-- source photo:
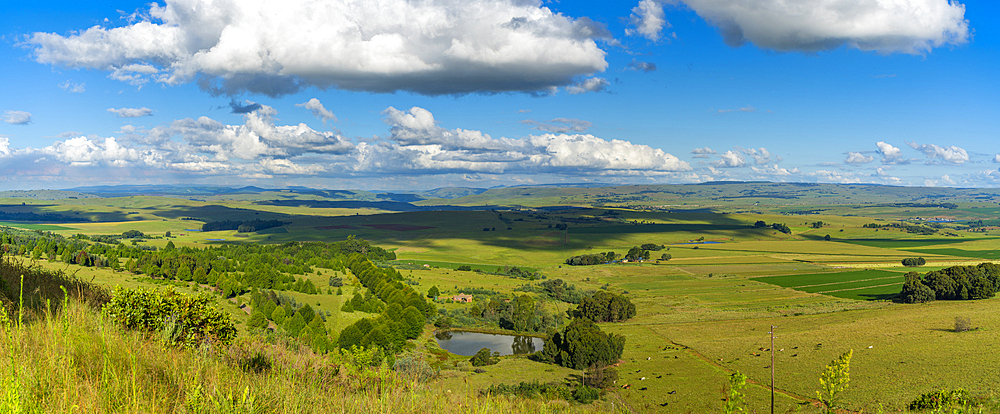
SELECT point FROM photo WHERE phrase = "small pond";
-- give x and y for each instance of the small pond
(468, 343)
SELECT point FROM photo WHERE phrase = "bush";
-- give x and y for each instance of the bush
(465, 268)
(585, 395)
(257, 321)
(941, 400)
(962, 324)
(414, 367)
(184, 320)
(485, 357)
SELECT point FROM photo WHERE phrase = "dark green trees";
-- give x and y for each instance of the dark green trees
(485, 357)
(953, 283)
(914, 291)
(404, 314)
(606, 307)
(914, 261)
(581, 345)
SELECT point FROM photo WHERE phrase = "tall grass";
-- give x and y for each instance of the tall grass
(67, 358)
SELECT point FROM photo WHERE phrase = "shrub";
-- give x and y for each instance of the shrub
(257, 321)
(414, 367)
(584, 394)
(941, 400)
(465, 268)
(485, 357)
(185, 320)
(962, 324)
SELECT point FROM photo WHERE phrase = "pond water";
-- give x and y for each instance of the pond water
(468, 343)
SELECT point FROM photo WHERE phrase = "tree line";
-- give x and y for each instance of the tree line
(404, 315)
(953, 283)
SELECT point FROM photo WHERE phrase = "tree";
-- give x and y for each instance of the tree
(914, 290)
(278, 315)
(307, 313)
(827, 237)
(170, 245)
(485, 357)
(581, 344)
(524, 310)
(605, 306)
(760, 224)
(257, 321)
(834, 381)
(167, 234)
(665, 256)
(433, 292)
(295, 324)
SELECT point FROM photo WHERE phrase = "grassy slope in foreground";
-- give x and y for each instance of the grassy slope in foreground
(74, 360)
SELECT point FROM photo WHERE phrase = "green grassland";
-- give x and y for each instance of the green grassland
(702, 315)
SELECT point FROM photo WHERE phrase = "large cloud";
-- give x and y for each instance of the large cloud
(648, 20)
(890, 154)
(414, 146)
(419, 145)
(274, 48)
(884, 26)
(950, 154)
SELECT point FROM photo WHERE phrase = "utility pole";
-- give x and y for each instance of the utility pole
(772, 367)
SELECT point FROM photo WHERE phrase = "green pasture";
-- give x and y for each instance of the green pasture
(905, 243)
(33, 226)
(858, 285)
(701, 315)
(825, 279)
(976, 254)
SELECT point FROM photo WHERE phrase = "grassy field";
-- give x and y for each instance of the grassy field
(702, 315)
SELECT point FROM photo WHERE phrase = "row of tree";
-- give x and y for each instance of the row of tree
(403, 317)
(520, 314)
(605, 306)
(298, 321)
(243, 266)
(634, 254)
(953, 283)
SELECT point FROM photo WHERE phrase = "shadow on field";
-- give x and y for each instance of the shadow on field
(39, 213)
(882, 296)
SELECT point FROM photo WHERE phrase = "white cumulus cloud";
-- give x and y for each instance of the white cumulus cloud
(277, 48)
(884, 26)
(950, 154)
(131, 112)
(730, 159)
(890, 154)
(648, 20)
(318, 110)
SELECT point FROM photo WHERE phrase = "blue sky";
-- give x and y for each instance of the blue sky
(400, 95)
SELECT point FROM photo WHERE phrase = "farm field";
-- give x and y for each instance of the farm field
(703, 309)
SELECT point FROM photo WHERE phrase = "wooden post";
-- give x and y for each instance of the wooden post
(772, 367)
